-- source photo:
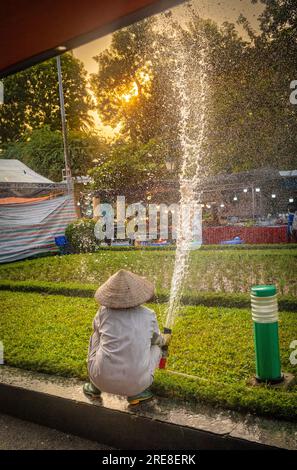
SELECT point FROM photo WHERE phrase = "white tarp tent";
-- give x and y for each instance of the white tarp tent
(14, 171)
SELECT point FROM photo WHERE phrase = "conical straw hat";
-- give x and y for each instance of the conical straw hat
(124, 290)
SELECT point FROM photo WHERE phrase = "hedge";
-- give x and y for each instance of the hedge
(209, 299)
(272, 246)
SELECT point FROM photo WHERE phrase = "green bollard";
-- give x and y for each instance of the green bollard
(265, 318)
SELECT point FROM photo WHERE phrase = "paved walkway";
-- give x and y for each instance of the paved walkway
(16, 434)
(160, 422)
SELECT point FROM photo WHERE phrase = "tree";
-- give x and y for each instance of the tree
(279, 17)
(42, 150)
(123, 82)
(269, 131)
(250, 122)
(129, 166)
(133, 86)
(31, 99)
(136, 83)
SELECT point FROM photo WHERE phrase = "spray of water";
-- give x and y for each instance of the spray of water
(192, 90)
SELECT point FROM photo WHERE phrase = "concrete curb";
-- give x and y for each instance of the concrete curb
(59, 403)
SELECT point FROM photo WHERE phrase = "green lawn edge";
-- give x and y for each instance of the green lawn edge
(259, 400)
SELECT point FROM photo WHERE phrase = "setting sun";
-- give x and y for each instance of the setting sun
(131, 93)
(140, 84)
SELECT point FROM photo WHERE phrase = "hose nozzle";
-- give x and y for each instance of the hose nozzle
(163, 360)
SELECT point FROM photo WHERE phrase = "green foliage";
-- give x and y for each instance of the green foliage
(123, 96)
(32, 98)
(52, 336)
(208, 299)
(129, 166)
(215, 347)
(248, 87)
(244, 247)
(136, 90)
(269, 65)
(221, 271)
(42, 150)
(80, 235)
(133, 86)
(50, 333)
(279, 18)
(71, 289)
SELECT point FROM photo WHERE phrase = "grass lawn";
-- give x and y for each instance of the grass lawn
(213, 345)
(217, 270)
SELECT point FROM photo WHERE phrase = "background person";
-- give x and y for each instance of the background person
(290, 223)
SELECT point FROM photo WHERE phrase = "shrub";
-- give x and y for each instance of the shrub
(208, 299)
(80, 235)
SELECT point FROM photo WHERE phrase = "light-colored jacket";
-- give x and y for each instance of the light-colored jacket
(121, 356)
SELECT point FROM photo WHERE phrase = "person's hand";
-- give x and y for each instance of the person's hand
(166, 338)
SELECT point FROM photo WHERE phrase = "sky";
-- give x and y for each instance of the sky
(217, 10)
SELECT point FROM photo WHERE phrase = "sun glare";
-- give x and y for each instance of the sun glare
(142, 80)
(131, 93)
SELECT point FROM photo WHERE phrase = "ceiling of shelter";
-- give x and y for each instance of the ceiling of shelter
(32, 31)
